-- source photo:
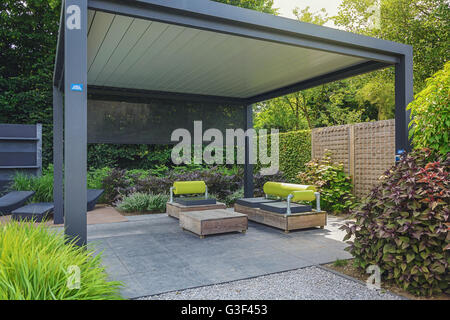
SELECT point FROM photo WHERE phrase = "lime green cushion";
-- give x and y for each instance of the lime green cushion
(305, 195)
(189, 187)
(281, 189)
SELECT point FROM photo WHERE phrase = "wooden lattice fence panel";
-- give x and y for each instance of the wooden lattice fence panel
(366, 149)
(374, 153)
(336, 139)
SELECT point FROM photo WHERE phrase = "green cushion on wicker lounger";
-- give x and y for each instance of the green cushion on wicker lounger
(281, 207)
(280, 189)
(292, 193)
(191, 187)
(304, 195)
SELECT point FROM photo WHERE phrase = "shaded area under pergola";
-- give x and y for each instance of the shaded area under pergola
(132, 71)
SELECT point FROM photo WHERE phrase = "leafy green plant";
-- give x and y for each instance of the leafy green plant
(95, 177)
(340, 263)
(35, 264)
(430, 114)
(401, 228)
(231, 199)
(143, 202)
(331, 181)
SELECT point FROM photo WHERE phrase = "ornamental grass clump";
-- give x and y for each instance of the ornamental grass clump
(401, 225)
(37, 263)
(143, 202)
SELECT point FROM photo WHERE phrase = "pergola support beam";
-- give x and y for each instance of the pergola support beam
(75, 128)
(58, 158)
(248, 167)
(403, 96)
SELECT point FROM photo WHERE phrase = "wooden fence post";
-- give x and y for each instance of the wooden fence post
(351, 160)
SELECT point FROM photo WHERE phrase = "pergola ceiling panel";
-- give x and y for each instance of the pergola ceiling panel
(127, 52)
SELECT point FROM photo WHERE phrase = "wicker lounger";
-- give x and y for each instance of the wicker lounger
(14, 200)
(286, 215)
(186, 202)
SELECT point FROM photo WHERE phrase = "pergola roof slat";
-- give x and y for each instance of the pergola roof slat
(237, 67)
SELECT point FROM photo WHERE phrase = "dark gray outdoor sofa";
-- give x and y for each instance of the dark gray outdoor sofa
(33, 211)
(92, 197)
(14, 202)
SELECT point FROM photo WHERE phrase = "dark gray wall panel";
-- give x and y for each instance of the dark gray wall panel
(18, 131)
(20, 150)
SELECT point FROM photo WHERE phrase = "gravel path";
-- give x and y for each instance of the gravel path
(309, 283)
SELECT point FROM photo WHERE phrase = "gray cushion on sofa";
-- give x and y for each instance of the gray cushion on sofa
(281, 207)
(254, 202)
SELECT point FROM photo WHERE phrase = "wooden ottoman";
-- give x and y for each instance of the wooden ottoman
(209, 222)
(174, 209)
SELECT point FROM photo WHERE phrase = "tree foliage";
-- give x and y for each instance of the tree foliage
(28, 31)
(334, 185)
(430, 114)
(265, 6)
(424, 24)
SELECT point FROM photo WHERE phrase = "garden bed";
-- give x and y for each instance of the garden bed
(348, 269)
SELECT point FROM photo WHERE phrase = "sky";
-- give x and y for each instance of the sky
(286, 7)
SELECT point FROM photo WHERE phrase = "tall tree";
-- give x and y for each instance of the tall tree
(28, 31)
(329, 104)
(424, 24)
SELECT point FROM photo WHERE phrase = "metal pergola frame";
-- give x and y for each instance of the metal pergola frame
(70, 107)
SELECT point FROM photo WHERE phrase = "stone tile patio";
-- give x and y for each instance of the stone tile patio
(152, 255)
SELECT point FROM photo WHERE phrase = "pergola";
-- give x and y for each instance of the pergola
(191, 52)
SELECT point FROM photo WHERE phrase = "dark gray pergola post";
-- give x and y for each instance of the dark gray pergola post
(75, 119)
(403, 96)
(248, 167)
(58, 121)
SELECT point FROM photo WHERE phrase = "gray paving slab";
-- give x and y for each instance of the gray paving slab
(151, 255)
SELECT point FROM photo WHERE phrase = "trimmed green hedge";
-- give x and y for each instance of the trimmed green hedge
(295, 152)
